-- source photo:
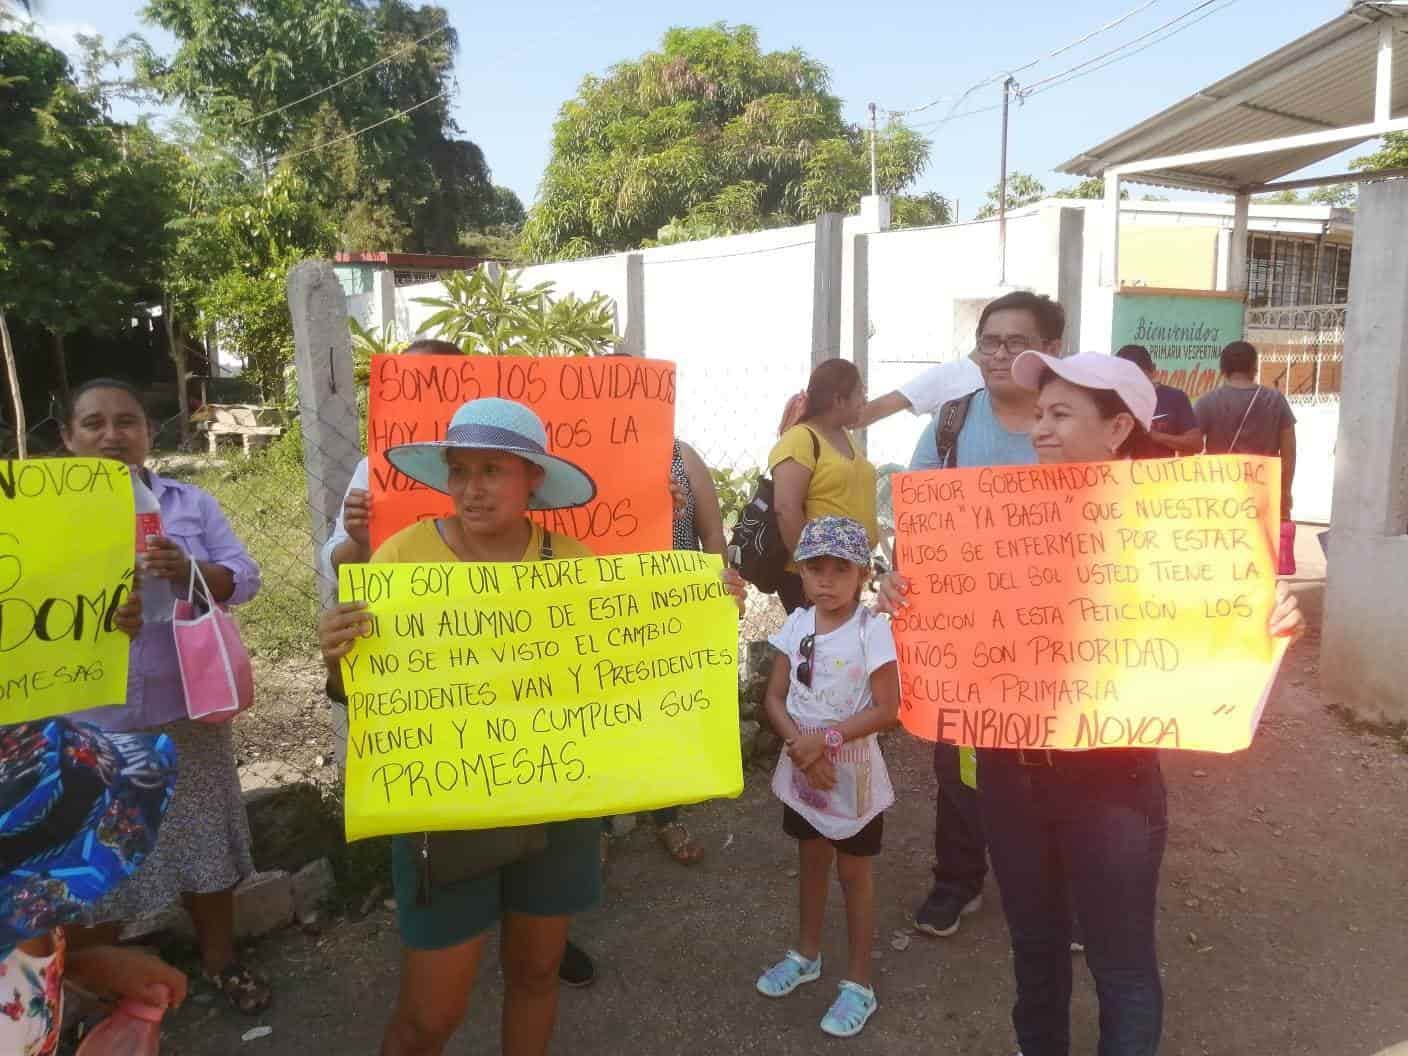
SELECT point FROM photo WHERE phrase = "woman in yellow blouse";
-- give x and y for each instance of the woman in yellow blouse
(817, 468)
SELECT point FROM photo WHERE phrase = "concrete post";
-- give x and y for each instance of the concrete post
(826, 289)
(1111, 276)
(632, 328)
(327, 397)
(1237, 258)
(383, 300)
(860, 315)
(1070, 273)
(1362, 660)
(875, 212)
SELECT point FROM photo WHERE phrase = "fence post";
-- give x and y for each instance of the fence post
(1070, 277)
(860, 317)
(633, 327)
(327, 397)
(826, 289)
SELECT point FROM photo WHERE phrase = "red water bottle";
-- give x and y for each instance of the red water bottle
(134, 1029)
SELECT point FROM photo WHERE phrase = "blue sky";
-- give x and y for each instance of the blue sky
(518, 64)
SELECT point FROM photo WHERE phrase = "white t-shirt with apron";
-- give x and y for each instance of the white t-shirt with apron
(842, 663)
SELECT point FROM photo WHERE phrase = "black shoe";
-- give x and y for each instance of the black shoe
(576, 969)
(940, 913)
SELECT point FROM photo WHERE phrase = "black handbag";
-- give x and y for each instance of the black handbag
(446, 858)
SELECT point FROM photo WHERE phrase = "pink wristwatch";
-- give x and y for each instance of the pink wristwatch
(833, 739)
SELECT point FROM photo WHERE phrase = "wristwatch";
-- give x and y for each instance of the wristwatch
(834, 739)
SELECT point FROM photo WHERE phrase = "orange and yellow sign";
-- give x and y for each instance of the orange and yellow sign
(1111, 604)
(614, 416)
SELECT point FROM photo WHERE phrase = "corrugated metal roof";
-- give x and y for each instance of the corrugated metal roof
(1323, 80)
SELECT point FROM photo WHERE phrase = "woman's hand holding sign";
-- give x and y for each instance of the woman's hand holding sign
(1287, 621)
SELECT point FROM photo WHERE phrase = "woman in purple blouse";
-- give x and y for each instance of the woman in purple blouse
(203, 850)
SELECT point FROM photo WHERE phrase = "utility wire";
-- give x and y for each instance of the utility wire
(1004, 74)
(353, 135)
(351, 76)
(1121, 51)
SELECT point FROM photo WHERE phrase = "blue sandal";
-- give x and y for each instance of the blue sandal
(848, 1014)
(788, 974)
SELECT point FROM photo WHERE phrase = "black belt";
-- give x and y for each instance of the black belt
(1035, 757)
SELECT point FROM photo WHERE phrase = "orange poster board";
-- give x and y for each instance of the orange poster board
(1115, 604)
(614, 416)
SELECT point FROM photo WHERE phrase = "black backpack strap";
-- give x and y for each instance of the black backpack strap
(545, 547)
(952, 415)
(816, 444)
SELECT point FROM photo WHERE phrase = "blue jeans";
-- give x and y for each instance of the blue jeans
(1086, 829)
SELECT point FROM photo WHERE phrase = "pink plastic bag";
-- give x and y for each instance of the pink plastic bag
(215, 669)
(1286, 555)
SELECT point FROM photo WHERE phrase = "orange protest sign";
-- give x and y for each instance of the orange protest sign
(613, 416)
(1114, 604)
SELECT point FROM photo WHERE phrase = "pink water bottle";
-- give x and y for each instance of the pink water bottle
(134, 1029)
(157, 595)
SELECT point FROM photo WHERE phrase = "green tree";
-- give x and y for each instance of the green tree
(707, 135)
(1340, 195)
(1392, 154)
(920, 210)
(1022, 189)
(1094, 187)
(242, 72)
(81, 210)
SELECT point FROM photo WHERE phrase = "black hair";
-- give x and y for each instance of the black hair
(1108, 405)
(433, 346)
(832, 380)
(1139, 356)
(1050, 316)
(102, 383)
(1238, 358)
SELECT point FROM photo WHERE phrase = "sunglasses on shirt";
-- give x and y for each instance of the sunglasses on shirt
(804, 669)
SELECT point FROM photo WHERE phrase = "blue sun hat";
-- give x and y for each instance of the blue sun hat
(492, 424)
(79, 811)
(839, 537)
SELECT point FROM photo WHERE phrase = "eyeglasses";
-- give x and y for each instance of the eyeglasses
(804, 669)
(990, 345)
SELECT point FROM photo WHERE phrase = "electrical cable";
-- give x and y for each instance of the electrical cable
(353, 135)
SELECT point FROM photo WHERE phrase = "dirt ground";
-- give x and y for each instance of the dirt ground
(1281, 933)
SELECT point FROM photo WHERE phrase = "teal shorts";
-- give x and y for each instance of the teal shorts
(560, 881)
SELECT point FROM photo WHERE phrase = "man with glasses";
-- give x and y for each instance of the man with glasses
(988, 427)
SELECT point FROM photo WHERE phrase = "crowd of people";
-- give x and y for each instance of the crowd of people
(1075, 839)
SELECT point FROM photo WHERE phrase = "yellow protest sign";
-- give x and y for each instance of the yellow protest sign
(492, 695)
(67, 548)
(1114, 604)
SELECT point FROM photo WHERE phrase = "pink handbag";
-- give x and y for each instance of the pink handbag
(1286, 554)
(215, 669)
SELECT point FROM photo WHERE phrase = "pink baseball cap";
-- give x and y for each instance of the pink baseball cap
(1091, 370)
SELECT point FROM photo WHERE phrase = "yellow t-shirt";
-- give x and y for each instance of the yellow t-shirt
(422, 542)
(840, 486)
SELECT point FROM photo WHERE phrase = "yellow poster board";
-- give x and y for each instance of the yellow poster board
(67, 549)
(492, 695)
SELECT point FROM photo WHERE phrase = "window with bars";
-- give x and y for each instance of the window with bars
(1282, 272)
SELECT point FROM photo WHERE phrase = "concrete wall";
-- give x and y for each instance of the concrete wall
(1363, 658)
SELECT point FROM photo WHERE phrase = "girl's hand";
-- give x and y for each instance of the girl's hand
(891, 590)
(128, 973)
(807, 749)
(821, 775)
(128, 617)
(166, 560)
(678, 499)
(737, 586)
(1287, 621)
(339, 628)
(357, 516)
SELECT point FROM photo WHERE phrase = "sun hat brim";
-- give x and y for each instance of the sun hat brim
(86, 816)
(564, 484)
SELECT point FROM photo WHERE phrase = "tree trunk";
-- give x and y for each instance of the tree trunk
(177, 348)
(13, 373)
(61, 367)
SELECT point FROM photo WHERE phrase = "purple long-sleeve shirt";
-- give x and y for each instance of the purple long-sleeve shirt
(192, 518)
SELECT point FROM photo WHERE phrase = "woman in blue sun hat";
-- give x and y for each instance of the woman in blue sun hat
(79, 811)
(495, 466)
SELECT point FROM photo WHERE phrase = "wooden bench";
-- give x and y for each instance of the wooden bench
(253, 424)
